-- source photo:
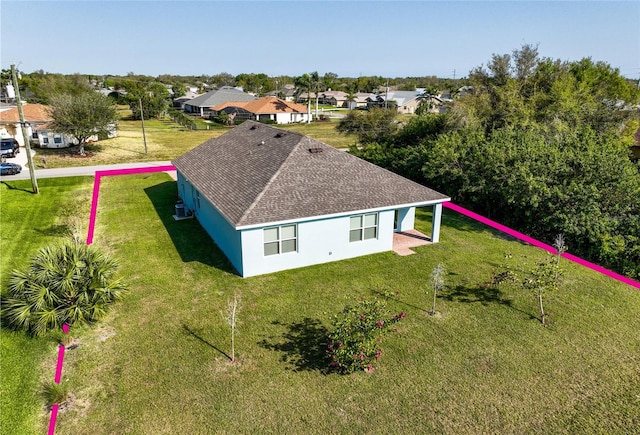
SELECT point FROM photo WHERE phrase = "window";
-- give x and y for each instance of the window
(280, 240)
(363, 227)
(45, 140)
(57, 139)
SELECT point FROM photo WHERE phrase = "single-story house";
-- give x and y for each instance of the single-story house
(38, 119)
(35, 115)
(265, 109)
(203, 105)
(404, 101)
(333, 98)
(274, 200)
(178, 103)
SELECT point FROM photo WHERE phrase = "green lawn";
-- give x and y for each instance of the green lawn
(166, 140)
(27, 223)
(157, 364)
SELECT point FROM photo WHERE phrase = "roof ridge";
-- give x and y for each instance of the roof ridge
(275, 175)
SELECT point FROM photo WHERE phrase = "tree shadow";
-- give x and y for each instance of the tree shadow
(304, 346)
(481, 294)
(202, 340)
(191, 240)
(396, 299)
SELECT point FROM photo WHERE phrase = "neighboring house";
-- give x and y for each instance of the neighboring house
(38, 122)
(35, 115)
(265, 109)
(333, 98)
(204, 104)
(47, 138)
(179, 102)
(404, 101)
(286, 93)
(274, 200)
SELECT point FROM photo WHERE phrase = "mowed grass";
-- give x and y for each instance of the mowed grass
(158, 363)
(166, 140)
(28, 222)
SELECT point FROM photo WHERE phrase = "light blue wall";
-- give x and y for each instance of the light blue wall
(319, 241)
(406, 218)
(223, 234)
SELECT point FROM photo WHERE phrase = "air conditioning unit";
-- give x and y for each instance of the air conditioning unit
(180, 210)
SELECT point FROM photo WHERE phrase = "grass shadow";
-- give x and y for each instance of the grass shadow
(10, 187)
(304, 346)
(191, 240)
(202, 340)
(54, 230)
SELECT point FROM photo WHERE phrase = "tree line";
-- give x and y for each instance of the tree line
(540, 145)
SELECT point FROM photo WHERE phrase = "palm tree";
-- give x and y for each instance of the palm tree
(71, 283)
(304, 83)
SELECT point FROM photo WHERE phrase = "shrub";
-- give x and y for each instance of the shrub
(71, 283)
(55, 394)
(356, 337)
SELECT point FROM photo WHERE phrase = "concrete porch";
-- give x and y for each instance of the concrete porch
(403, 241)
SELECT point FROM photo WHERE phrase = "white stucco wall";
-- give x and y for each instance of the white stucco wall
(319, 241)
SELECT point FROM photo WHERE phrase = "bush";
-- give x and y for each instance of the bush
(355, 342)
(71, 283)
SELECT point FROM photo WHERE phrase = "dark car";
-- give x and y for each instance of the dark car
(10, 147)
(10, 168)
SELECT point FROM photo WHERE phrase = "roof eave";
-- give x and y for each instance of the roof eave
(341, 214)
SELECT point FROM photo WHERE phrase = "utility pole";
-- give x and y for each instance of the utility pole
(27, 144)
(144, 136)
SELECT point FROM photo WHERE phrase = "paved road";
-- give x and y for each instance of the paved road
(21, 159)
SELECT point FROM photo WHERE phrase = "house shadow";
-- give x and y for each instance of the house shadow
(191, 240)
(303, 346)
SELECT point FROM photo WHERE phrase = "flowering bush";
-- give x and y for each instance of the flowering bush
(356, 337)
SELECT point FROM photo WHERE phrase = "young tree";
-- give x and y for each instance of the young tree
(83, 115)
(70, 284)
(437, 281)
(231, 317)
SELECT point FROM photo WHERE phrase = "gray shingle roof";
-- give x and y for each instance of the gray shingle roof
(222, 95)
(257, 174)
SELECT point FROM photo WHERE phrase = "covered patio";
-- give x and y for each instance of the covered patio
(403, 241)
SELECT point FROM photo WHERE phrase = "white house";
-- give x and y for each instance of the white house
(265, 109)
(274, 200)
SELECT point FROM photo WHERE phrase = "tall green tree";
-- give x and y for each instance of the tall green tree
(83, 115)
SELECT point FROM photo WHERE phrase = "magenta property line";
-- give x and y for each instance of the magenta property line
(106, 173)
(52, 420)
(541, 245)
(55, 407)
(59, 365)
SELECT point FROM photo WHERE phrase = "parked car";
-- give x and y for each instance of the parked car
(10, 168)
(10, 147)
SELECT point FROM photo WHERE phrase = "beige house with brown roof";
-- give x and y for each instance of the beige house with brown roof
(273, 200)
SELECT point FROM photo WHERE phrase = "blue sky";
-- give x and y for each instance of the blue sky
(349, 38)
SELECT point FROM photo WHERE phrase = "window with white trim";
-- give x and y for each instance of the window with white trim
(363, 227)
(280, 240)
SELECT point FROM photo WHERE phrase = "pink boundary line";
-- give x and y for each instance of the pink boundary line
(539, 244)
(449, 205)
(92, 222)
(55, 407)
(96, 189)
